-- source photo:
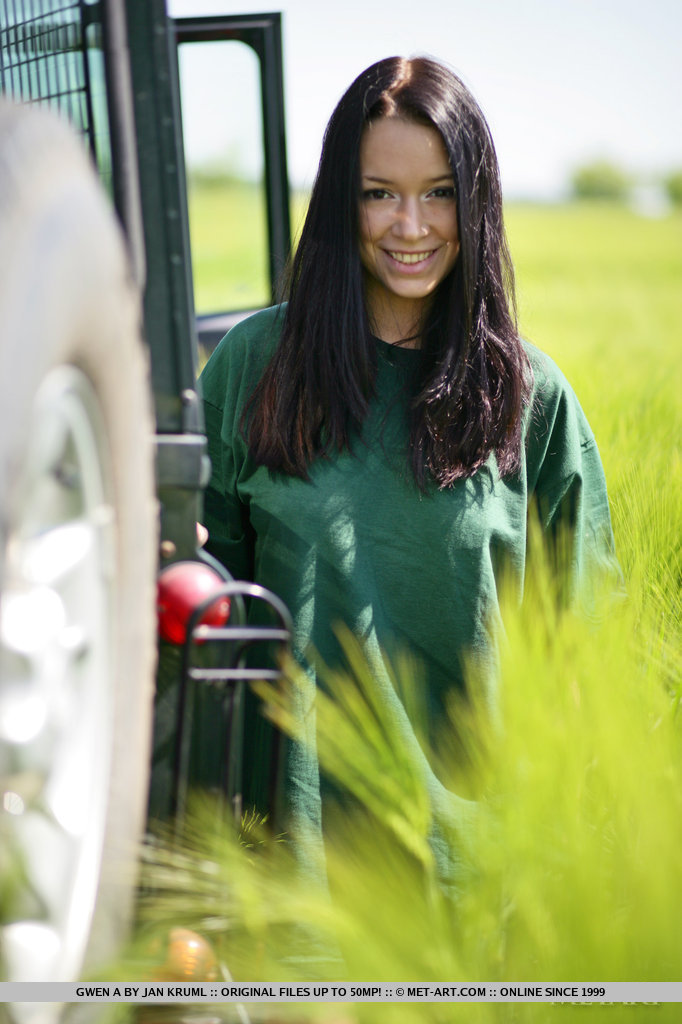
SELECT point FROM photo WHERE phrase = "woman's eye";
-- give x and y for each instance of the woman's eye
(447, 192)
(376, 193)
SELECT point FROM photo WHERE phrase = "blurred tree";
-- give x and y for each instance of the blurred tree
(600, 179)
(673, 187)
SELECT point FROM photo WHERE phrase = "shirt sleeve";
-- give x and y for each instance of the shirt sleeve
(225, 517)
(226, 384)
(567, 492)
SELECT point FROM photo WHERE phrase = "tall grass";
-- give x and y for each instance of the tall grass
(600, 290)
(569, 864)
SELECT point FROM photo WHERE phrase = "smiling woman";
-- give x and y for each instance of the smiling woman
(384, 442)
(466, 329)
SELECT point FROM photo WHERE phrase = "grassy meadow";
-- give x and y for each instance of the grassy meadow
(230, 263)
(571, 862)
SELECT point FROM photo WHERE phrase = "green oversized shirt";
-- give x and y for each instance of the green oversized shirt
(358, 543)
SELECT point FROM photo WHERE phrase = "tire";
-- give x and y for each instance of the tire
(78, 543)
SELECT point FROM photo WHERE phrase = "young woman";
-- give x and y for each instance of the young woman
(381, 442)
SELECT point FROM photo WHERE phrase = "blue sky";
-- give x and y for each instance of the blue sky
(561, 81)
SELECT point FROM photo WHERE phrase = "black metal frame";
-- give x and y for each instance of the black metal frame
(44, 58)
(237, 640)
(263, 33)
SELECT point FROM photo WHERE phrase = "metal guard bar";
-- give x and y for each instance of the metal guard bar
(238, 638)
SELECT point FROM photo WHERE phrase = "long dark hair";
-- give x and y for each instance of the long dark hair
(474, 378)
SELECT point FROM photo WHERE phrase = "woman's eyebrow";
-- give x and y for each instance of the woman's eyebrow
(387, 181)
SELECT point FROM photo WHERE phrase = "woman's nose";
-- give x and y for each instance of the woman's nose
(410, 221)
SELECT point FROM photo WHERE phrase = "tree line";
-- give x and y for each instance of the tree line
(603, 179)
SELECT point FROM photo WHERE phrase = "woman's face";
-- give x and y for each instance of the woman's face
(408, 234)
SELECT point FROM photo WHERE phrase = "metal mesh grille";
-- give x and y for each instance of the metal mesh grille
(43, 57)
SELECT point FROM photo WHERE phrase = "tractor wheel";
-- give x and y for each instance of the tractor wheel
(78, 526)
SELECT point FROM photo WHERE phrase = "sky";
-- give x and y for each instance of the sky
(561, 82)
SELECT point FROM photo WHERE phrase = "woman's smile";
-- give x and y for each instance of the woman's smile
(411, 259)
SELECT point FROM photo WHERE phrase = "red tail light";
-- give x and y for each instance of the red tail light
(182, 587)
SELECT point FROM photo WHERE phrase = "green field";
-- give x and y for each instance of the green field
(228, 232)
(570, 858)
